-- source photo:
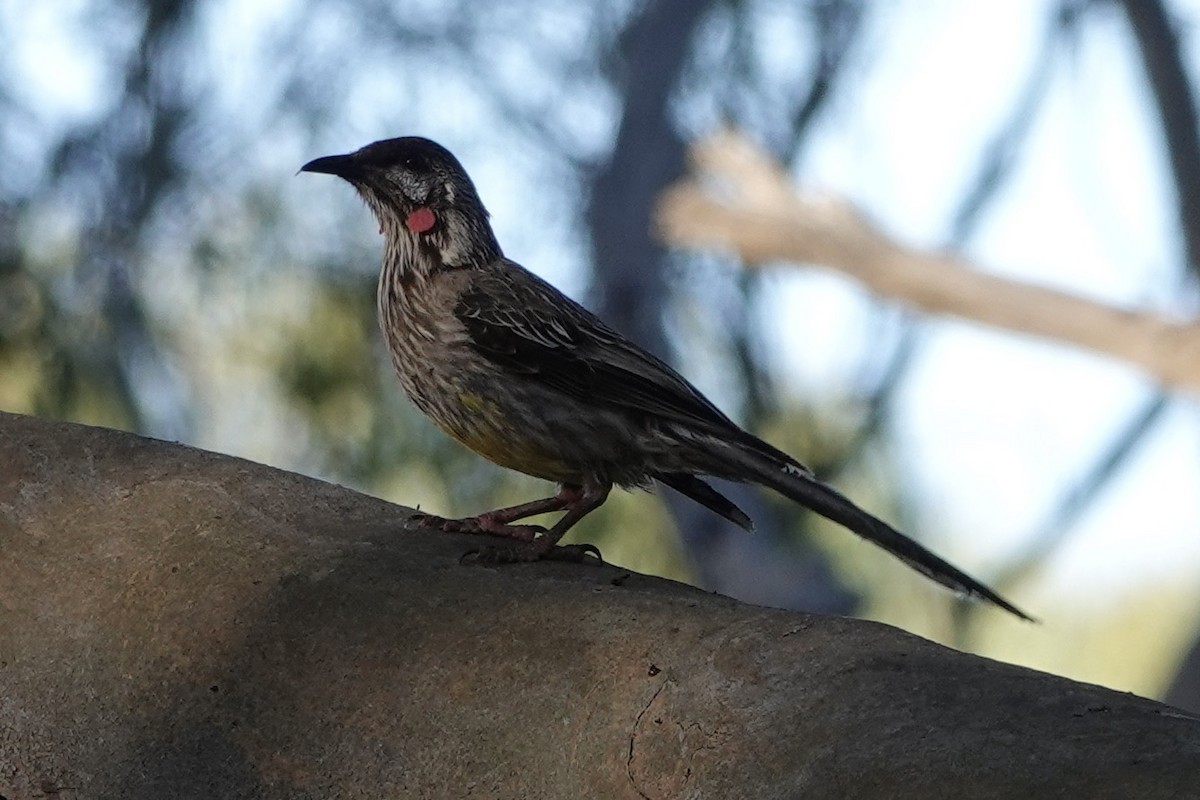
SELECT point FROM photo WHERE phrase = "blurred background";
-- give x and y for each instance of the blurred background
(164, 270)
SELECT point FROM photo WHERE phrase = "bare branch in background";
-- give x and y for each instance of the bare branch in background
(1162, 58)
(740, 199)
(838, 25)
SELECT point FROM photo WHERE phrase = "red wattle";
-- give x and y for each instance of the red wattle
(420, 220)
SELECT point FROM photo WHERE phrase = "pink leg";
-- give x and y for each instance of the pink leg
(578, 502)
(581, 503)
(499, 522)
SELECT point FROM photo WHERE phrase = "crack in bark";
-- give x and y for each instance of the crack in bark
(637, 723)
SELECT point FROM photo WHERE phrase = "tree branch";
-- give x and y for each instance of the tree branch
(181, 624)
(741, 200)
(1167, 75)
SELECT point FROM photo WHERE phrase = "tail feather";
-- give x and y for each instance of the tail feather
(691, 486)
(777, 471)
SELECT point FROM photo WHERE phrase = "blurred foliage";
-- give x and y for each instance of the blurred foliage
(163, 270)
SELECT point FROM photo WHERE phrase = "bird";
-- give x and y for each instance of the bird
(517, 371)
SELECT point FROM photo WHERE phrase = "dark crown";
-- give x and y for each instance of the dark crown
(412, 152)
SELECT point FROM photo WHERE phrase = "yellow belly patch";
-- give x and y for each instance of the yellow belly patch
(486, 431)
(473, 401)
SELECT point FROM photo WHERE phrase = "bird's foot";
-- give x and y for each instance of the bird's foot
(574, 553)
(532, 551)
(484, 523)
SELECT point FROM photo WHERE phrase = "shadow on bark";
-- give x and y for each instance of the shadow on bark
(182, 624)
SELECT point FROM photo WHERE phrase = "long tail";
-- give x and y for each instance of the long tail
(785, 475)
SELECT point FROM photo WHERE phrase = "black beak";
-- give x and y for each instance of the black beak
(342, 166)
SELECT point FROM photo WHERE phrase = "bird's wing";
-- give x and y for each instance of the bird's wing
(537, 333)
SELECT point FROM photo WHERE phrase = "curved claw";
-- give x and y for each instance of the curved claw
(479, 555)
(469, 557)
(576, 553)
(525, 553)
(498, 555)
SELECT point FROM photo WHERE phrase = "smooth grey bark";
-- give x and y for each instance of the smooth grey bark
(175, 623)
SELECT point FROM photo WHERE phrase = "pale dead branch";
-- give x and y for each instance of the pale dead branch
(738, 198)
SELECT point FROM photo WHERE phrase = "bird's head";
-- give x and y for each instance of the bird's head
(424, 200)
